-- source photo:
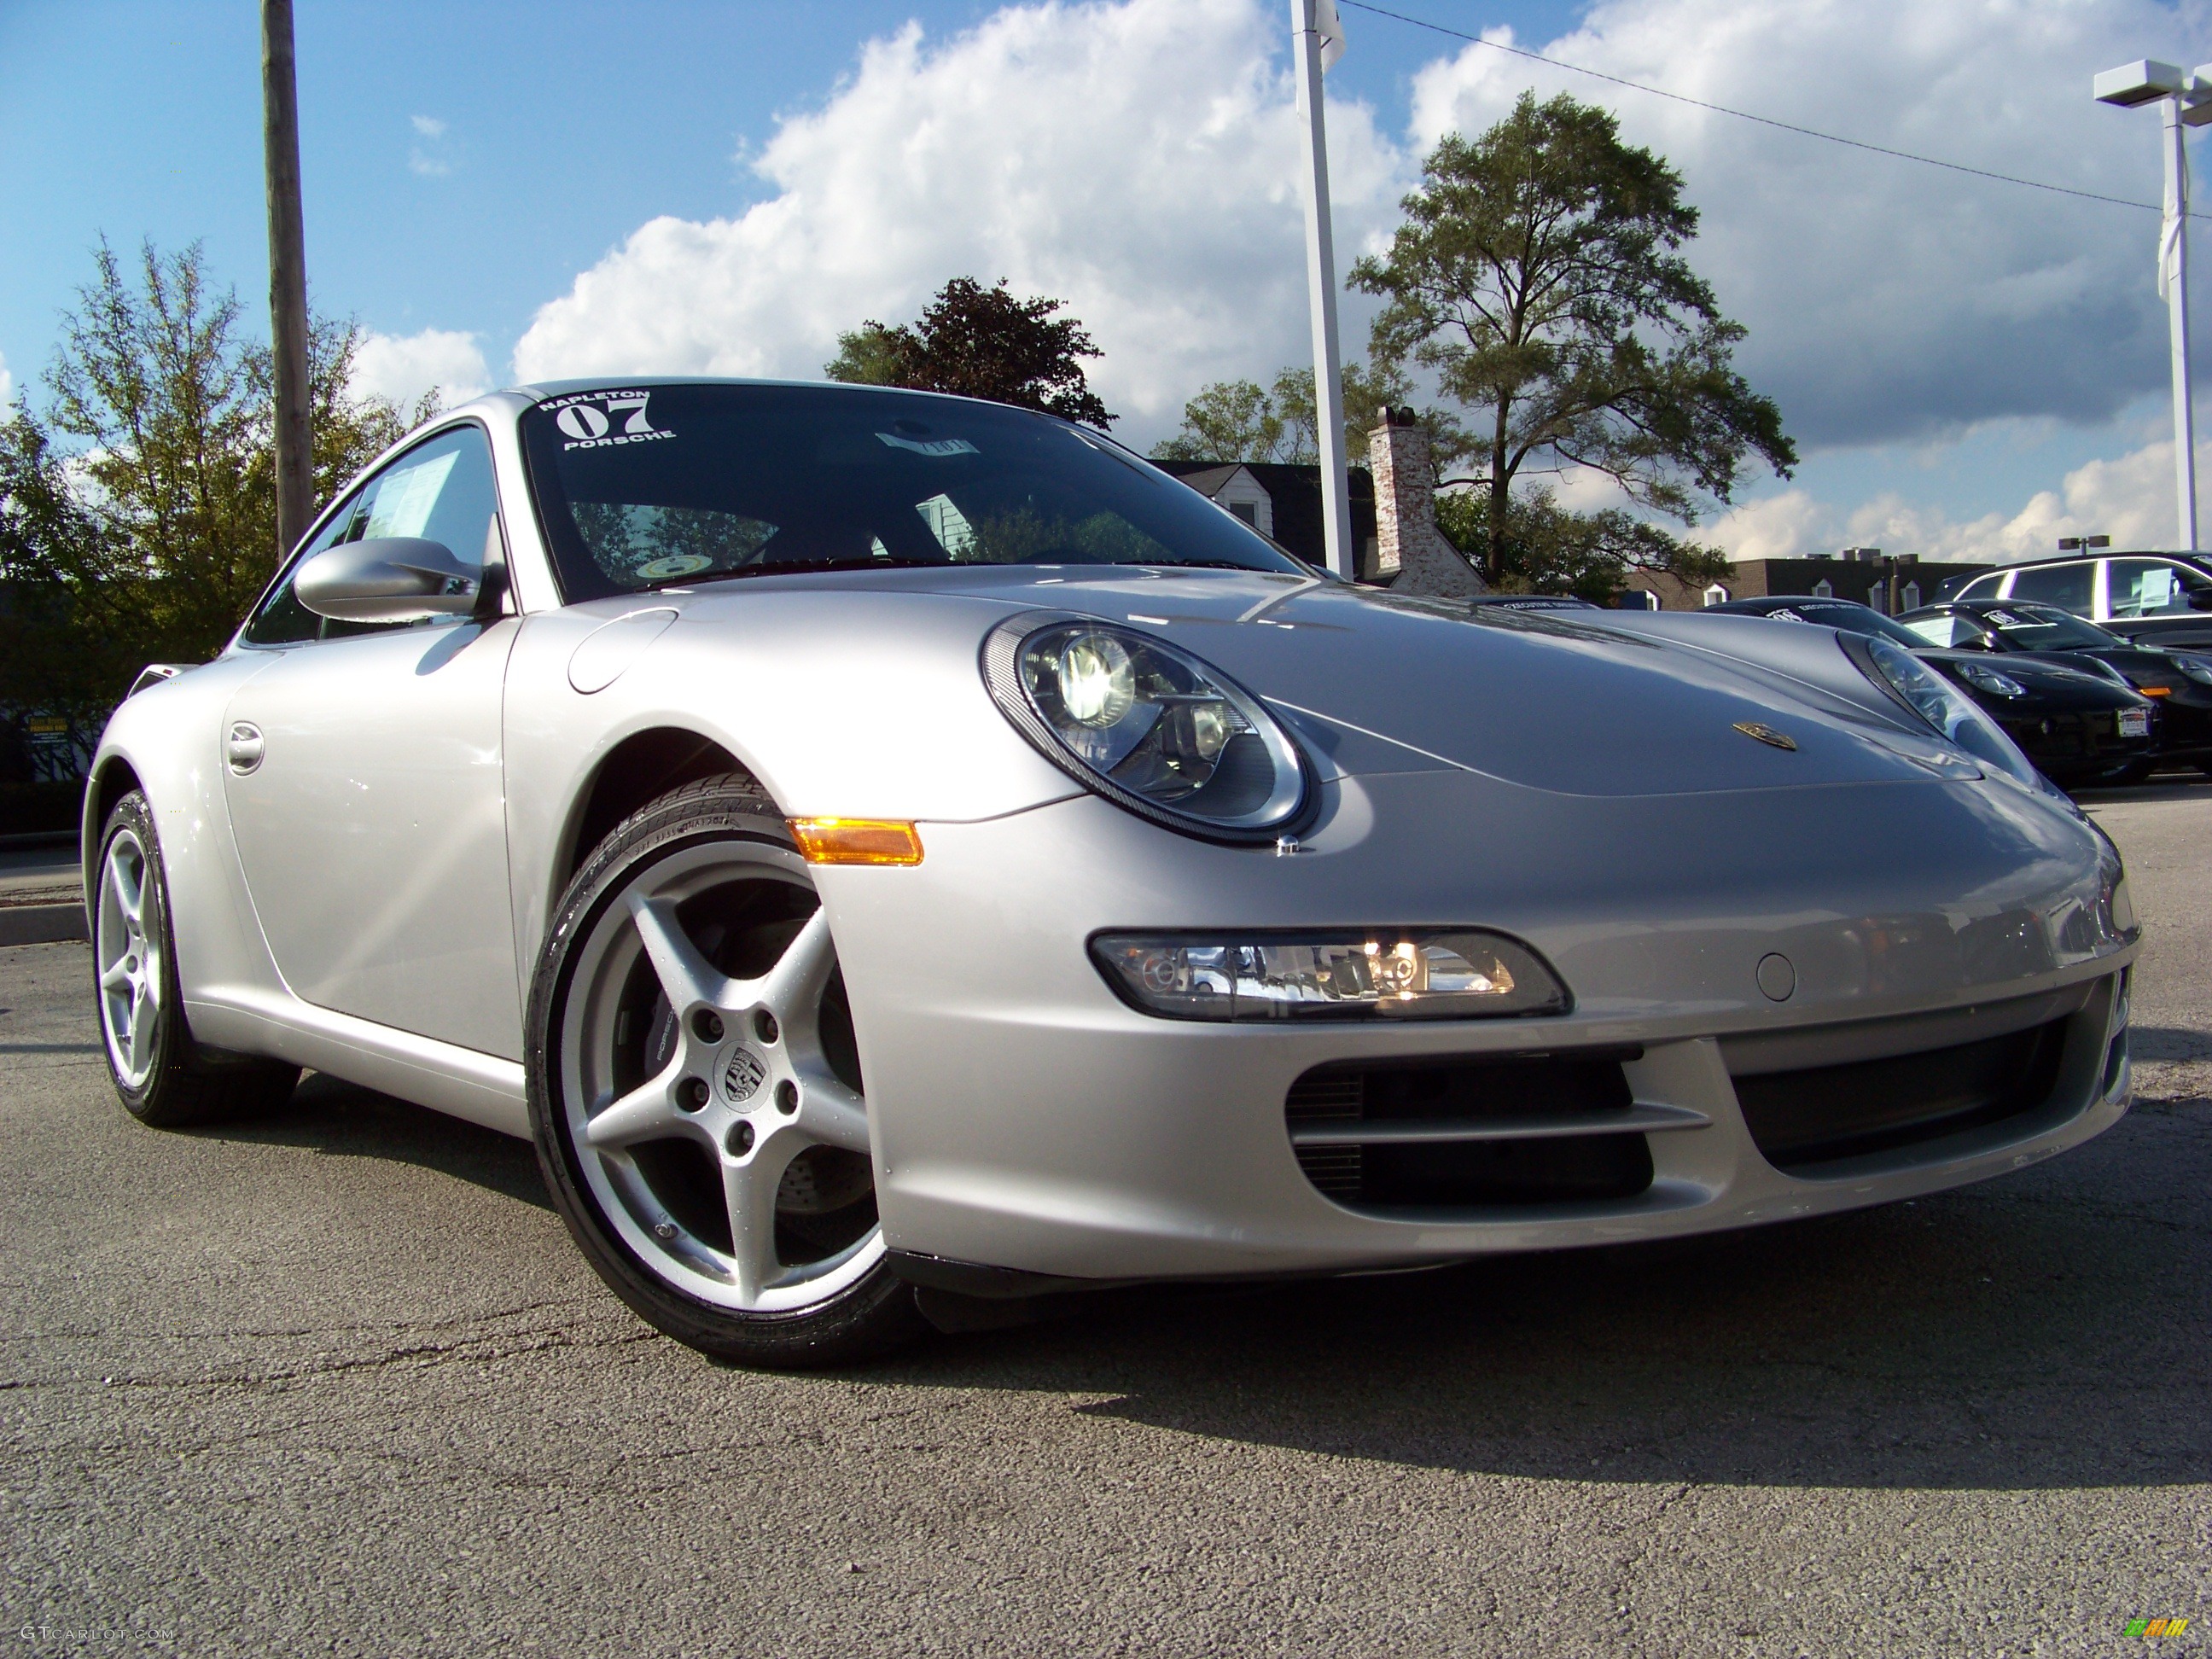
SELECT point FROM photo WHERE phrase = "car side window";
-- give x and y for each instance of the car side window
(440, 490)
(1983, 587)
(2066, 585)
(2150, 587)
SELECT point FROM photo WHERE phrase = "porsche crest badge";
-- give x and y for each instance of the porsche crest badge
(1766, 734)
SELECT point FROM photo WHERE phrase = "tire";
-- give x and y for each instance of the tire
(164, 1078)
(705, 1137)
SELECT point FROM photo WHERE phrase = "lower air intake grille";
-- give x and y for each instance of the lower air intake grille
(1802, 1119)
(1468, 1133)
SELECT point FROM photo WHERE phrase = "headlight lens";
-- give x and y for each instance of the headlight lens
(2197, 671)
(1988, 680)
(1147, 725)
(1912, 684)
(1387, 974)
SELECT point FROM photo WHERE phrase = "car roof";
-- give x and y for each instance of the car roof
(2201, 562)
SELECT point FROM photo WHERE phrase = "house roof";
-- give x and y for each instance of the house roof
(1294, 491)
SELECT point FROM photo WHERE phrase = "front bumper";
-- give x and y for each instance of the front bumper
(1025, 1119)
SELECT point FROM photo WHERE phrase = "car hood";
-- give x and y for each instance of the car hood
(1381, 682)
(2045, 675)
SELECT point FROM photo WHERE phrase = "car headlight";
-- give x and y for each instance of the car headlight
(2197, 671)
(1988, 680)
(1385, 973)
(1149, 727)
(1916, 687)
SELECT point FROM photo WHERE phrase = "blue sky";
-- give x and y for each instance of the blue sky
(1970, 367)
(566, 126)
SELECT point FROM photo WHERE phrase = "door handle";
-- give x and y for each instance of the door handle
(244, 747)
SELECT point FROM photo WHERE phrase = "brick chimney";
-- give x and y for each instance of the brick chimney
(1413, 556)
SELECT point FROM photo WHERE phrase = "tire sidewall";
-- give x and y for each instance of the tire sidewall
(872, 1315)
(146, 1102)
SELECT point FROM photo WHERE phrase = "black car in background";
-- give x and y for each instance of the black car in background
(2179, 681)
(2081, 726)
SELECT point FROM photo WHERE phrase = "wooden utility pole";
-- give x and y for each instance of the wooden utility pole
(287, 277)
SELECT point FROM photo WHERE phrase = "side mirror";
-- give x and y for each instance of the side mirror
(2200, 598)
(389, 579)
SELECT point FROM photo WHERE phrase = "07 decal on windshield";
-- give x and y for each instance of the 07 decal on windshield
(588, 421)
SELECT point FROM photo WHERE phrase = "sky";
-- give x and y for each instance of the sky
(499, 192)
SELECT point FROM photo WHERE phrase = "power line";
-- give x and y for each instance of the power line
(1763, 120)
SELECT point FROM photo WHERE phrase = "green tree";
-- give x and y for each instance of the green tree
(1537, 276)
(148, 537)
(1550, 550)
(1236, 420)
(980, 342)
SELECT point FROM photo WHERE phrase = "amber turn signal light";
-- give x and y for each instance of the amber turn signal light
(856, 841)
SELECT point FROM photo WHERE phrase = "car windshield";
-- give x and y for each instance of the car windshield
(2045, 628)
(1851, 618)
(649, 485)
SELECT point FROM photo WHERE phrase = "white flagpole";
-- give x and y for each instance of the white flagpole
(2173, 284)
(1307, 19)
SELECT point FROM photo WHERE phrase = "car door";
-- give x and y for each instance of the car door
(365, 783)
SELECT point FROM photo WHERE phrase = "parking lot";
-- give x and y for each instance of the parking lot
(337, 1382)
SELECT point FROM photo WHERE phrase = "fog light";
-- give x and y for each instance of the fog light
(1387, 974)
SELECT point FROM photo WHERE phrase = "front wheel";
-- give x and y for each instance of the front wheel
(695, 1091)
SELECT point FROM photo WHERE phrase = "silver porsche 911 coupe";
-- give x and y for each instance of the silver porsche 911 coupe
(893, 852)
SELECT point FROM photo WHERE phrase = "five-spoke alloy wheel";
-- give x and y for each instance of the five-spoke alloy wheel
(697, 1094)
(163, 1077)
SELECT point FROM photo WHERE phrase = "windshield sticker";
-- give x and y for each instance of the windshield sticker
(588, 421)
(406, 498)
(935, 446)
(675, 564)
(1786, 614)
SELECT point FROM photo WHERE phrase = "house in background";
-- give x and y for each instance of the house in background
(1283, 503)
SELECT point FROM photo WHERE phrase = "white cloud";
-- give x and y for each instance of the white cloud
(2129, 499)
(7, 385)
(403, 367)
(426, 163)
(1888, 299)
(1137, 161)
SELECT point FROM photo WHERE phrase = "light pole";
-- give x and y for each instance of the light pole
(2184, 99)
(1316, 42)
(2082, 544)
(288, 278)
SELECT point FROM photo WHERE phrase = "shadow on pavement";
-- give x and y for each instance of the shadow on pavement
(345, 1121)
(2044, 1332)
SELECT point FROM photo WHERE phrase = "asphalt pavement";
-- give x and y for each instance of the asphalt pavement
(338, 1383)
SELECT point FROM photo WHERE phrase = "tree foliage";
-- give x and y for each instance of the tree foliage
(1547, 548)
(1538, 277)
(980, 342)
(138, 514)
(1238, 421)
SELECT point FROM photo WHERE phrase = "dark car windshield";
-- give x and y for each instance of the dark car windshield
(649, 485)
(1846, 614)
(2045, 628)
